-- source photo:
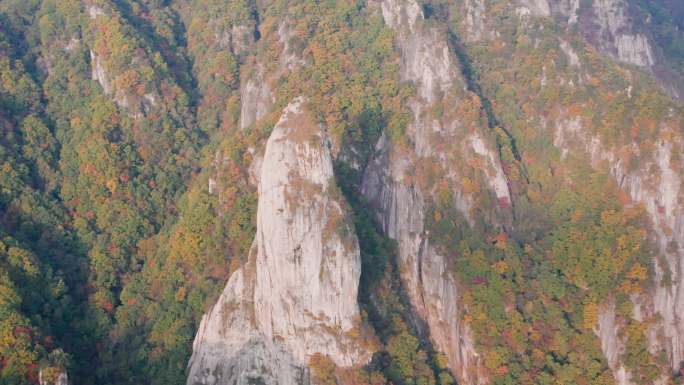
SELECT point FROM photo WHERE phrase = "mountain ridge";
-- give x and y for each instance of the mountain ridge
(504, 179)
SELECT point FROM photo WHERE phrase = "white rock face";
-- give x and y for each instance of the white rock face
(62, 378)
(95, 11)
(656, 182)
(614, 31)
(616, 36)
(297, 295)
(611, 345)
(474, 19)
(426, 59)
(307, 250)
(400, 203)
(98, 72)
(539, 8)
(567, 8)
(238, 39)
(634, 49)
(256, 94)
(426, 275)
(497, 179)
(567, 49)
(228, 350)
(135, 105)
(289, 59)
(256, 100)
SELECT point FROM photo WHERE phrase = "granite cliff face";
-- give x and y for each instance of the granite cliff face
(654, 181)
(256, 92)
(401, 202)
(119, 80)
(284, 305)
(608, 25)
(656, 184)
(612, 346)
(614, 27)
(297, 294)
(306, 248)
(60, 378)
(494, 186)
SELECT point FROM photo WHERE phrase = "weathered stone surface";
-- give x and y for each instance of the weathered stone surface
(611, 345)
(256, 98)
(426, 59)
(98, 73)
(229, 351)
(61, 378)
(400, 204)
(656, 183)
(307, 250)
(616, 29)
(297, 294)
(256, 93)
(617, 36)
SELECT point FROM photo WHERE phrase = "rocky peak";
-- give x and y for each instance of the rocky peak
(297, 294)
(306, 247)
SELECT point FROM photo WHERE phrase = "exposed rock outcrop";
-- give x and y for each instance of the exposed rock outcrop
(228, 350)
(534, 8)
(474, 20)
(400, 202)
(656, 183)
(98, 72)
(307, 249)
(297, 294)
(615, 29)
(616, 34)
(50, 376)
(568, 8)
(654, 180)
(125, 84)
(238, 38)
(606, 24)
(256, 99)
(256, 93)
(425, 273)
(611, 345)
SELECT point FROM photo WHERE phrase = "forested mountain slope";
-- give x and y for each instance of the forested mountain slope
(341, 192)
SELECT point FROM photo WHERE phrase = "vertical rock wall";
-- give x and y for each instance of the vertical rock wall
(400, 202)
(657, 184)
(297, 295)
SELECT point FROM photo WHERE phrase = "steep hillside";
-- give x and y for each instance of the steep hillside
(341, 192)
